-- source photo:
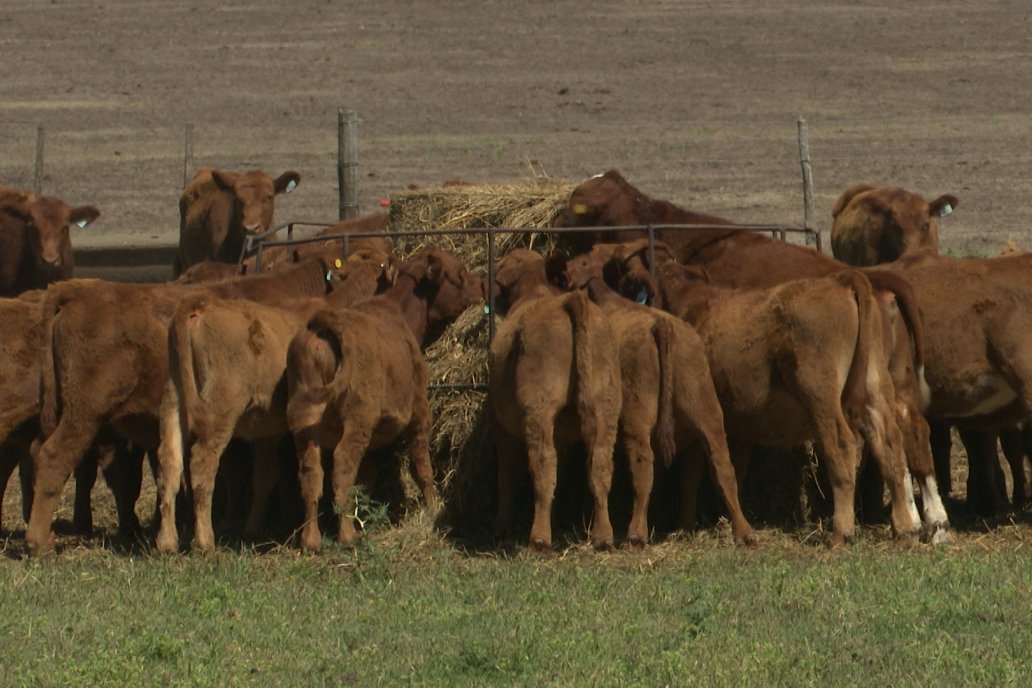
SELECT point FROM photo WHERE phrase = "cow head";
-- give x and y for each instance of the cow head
(605, 200)
(49, 223)
(254, 195)
(451, 288)
(909, 223)
(520, 274)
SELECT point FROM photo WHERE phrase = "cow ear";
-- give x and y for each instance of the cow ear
(83, 215)
(286, 182)
(224, 179)
(943, 205)
(391, 268)
(434, 267)
(875, 205)
(555, 266)
(846, 196)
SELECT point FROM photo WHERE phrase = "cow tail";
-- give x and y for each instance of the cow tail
(854, 394)
(909, 309)
(181, 358)
(576, 305)
(314, 359)
(50, 391)
(663, 436)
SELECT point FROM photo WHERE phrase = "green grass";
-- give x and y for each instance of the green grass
(408, 608)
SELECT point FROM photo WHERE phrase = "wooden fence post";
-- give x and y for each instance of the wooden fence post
(37, 182)
(347, 163)
(187, 153)
(804, 160)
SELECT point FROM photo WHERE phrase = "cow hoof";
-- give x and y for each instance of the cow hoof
(749, 539)
(635, 542)
(939, 534)
(605, 546)
(540, 545)
(39, 548)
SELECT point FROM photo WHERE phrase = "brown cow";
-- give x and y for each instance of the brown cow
(335, 247)
(977, 367)
(609, 200)
(554, 379)
(668, 393)
(796, 362)
(219, 208)
(20, 355)
(357, 381)
(744, 259)
(228, 360)
(35, 248)
(106, 365)
(879, 225)
(22, 335)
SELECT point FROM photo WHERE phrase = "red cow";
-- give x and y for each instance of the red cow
(35, 244)
(219, 208)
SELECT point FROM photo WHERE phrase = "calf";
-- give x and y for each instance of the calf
(668, 394)
(334, 246)
(357, 381)
(796, 362)
(218, 208)
(105, 365)
(554, 379)
(227, 364)
(879, 225)
(739, 258)
(35, 244)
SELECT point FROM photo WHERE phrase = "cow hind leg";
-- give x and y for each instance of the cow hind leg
(885, 441)
(263, 480)
(640, 459)
(124, 475)
(542, 461)
(600, 480)
(55, 461)
(169, 479)
(347, 457)
(419, 450)
(310, 479)
(836, 444)
(85, 479)
(204, 464)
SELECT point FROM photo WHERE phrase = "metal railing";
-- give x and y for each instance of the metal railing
(258, 243)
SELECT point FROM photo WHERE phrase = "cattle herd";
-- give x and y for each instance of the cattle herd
(685, 352)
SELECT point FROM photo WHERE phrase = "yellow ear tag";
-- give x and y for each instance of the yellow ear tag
(580, 209)
(338, 263)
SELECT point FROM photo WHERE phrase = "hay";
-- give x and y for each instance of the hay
(460, 442)
(534, 204)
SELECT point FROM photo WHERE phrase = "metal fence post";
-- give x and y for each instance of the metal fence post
(347, 163)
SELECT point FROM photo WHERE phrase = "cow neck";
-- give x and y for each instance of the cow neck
(600, 292)
(687, 300)
(526, 293)
(412, 298)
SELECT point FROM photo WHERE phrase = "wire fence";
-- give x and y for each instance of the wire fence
(135, 177)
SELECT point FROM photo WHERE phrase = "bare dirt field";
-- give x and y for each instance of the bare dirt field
(695, 101)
